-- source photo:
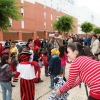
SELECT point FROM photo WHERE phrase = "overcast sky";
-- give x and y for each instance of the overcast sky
(94, 5)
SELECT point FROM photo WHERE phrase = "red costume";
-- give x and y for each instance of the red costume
(0, 47)
(37, 43)
(27, 75)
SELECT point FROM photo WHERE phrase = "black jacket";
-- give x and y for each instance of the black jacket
(55, 65)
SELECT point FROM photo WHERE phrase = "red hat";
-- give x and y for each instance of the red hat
(36, 48)
(25, 56)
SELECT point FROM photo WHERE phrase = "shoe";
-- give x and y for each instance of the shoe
(15, 81)
(39, 80)
(46, 75)
(51, 87)
(12, 85)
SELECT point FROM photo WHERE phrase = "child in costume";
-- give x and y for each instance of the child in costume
(27, 75)
(5, 51)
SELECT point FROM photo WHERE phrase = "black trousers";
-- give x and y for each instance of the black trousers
(91, 98)
(46, 70)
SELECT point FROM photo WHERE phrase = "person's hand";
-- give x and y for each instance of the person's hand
(57, 93)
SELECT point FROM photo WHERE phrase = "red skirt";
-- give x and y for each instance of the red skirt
(27, 89)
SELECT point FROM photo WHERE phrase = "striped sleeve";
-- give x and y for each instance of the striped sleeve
(73, 75)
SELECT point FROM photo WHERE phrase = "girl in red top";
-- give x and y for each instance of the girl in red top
(84, 68)
(45, 62)
(64, 58)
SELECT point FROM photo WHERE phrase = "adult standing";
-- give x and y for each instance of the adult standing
(95, 45)
(57, 40)
(84, 68)
(37, 42)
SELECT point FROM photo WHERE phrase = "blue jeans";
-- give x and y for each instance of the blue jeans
(52, 79)
(6, 86)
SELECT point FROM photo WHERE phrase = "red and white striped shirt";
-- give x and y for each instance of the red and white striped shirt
(84, 69)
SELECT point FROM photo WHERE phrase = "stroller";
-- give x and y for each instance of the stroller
(58, 82)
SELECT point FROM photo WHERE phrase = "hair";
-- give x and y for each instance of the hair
(45, 53)
(13, 42)
(83, 50)
(95, 35)
(4, 59)
(61, 50)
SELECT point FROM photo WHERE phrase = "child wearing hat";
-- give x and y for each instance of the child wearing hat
(27, 75)
(54, 66)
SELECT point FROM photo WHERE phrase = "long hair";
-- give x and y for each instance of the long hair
(4, 59)
(82, 50)
(61, 50)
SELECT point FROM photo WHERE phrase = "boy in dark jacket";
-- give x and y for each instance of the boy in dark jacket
(54, 66)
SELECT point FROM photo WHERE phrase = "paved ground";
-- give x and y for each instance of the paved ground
(43, 91)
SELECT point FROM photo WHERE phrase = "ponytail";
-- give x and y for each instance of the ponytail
(88, 53)
(82, 50)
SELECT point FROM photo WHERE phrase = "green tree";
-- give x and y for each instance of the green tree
(96, 30)
(9, 9)
(87, 27)
(64, 24)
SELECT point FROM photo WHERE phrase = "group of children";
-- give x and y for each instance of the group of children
(28, 66)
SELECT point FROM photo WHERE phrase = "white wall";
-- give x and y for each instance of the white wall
(85, 14)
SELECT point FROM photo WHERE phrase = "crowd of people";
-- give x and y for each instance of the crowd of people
(53, 54)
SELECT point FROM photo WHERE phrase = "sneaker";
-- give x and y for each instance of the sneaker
(12, 85)
(51, 87)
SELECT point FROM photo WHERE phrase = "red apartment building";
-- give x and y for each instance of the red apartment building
(36, 21)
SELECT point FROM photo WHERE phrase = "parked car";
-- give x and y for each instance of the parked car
(3, 43)
(20, 42)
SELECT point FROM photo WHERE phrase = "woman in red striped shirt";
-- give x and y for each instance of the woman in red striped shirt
(84, 68)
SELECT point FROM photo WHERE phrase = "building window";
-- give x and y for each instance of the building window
(51, 16)
(45, 4)
(57, 9)
(22, 11)
(45, 25)
(22, 24)
(51, 6)
(44, 14)
(10, 22)
(22, 1)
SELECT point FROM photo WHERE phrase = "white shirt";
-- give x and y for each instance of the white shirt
(95, 46)
(31, 57)
(26, 71)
